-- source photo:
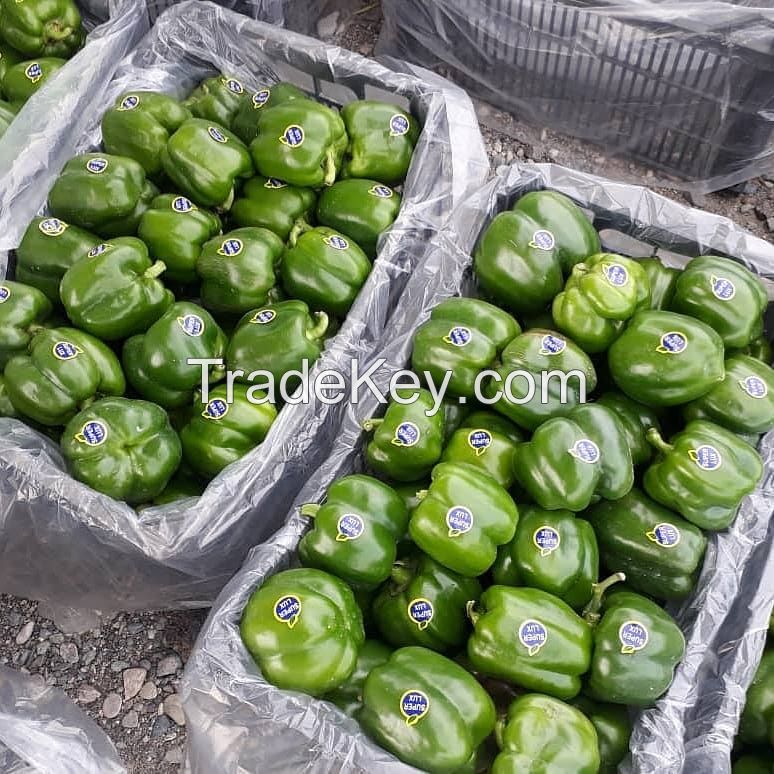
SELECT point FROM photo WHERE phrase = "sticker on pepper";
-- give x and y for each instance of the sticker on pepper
(382, 191)
(181, 204)
(350, 526)
(260, 98)
(98, 250)
(585, 450)
(551, 345)
(459, 520)
(633, 636)
(406, 434)
(399, 125)
(293, 136)
(92, 434)
(616, 274)
(479, 441)
(5, 293)
(192, 325)
(129, 102)
(336, 241)
(546, 540)
(533, 635)
(672, 343)
(231, 247)
(664, 534)
(414, 705)
(459, 336)
(754, 386)
(263, 316)
(274, 184)
(706, 457)
(233, 85)
(97, 166)
(722, 288)
(66, 350)
(34, 72)
(52, 227)
(543, 239)
(216, 134)
(287, 610)
(215, 409)
(420, 611)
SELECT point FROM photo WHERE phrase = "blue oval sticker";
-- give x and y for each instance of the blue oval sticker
(287, 610)
(459, 520)
(92, 434)
(533, 635)
(350, 526)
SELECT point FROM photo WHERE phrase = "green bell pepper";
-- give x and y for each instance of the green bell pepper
(206, 162)
(613, 729)
(517, 263)
(217, 99)
(276, 338)
(245, 123)
(114, 291)
(325, 269)
(7, 114)
(175, 230)
(637, 645)
(572, 232)
(100, 192)
(138, 376)
(554, 363)
(348, 697)
(123, 448)
(553, 551)
(304, 629)
(530, 638)
(406, 443)
(139, 126)
(64, 370)
(660, 552)
(424, 603)
(359, 209)
(759, 348)
(664, 359)
(743, 402)
(703, 474)
(382, 138)
(462, 337)
(427, 710)
(6, 407)
(662, 280)
(724, 295)
(543, 734)
(237, 270)
(220, 432)
(182, 485)
(635, 420)
(757, 723)
(23, 312)
(267, 202)
(300, 142)
(602, 292)
(23, 79)
(463, 518)
(8, 56)
(42, 27)
(48, 249)
(355, 532)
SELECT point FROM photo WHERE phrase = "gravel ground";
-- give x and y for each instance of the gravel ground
(126, 672)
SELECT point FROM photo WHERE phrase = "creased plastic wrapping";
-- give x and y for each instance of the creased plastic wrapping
(684, 87)
(68, 545)
(42, 136)
(42, 731)
(237, 722)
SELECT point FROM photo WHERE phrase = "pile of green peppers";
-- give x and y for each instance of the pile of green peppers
(37, 37)
(489, 594)
(234, 225)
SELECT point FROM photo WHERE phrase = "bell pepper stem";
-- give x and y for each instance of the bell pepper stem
(226, 206)
(218, 373)
(330, 168)
(421, 494)
(156, 270)
(299, 227)
(591, 611)
(369, 425)
(309, 509)
(401, 575)
(580, 268)
(471, 612)
(654, 439)
(499, 729)
(35, 328)
(55, 31)
(318, 331)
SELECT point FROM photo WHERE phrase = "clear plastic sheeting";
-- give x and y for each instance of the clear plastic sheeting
(42, 731)
(43, 134)
(684, 87)
(64, 543)
(237, 722)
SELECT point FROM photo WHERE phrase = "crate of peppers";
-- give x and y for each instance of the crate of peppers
(515, 580)
(233, 223)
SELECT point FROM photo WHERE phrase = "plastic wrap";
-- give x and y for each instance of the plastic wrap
(64, 543)
(237, 722)
(44, 732)
(684, 87)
